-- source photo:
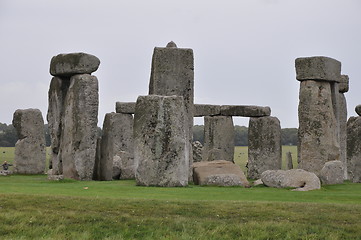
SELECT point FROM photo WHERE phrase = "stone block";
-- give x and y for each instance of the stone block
(73, 63)
(344, 84)
(161, 141)
(201, 110)
(318, 69)
(358, 109)
(245, 111)
(30, 148)
(219, 173)
(354, 149)
(125, 107)
(264, 146)
(332, 173)
(79, 136)
(197, 151)
(342, 119)
(218, 138)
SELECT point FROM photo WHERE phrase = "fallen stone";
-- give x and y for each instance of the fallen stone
(201, 110)
(73, 63)
(218, 138)
(125, 107)
(318, 68)
(264, 146)
(294, 178)
(219, 173)
(358, 109)
(245, 111)
(332, 173)
(5, 172)
(161, 141)
(30, 148)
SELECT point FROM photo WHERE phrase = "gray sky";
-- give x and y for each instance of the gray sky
(244, 50)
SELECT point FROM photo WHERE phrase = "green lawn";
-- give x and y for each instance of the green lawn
(31, 207)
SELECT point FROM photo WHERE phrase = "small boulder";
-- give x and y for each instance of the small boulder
(294, 178)
(219, 173)
(332, 173)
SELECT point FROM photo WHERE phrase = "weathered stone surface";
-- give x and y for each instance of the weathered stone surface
(54, 177)
(245, 111)
(358, 109)
(354, 149)
(117, 145)
(264, 146)
(30, 148)
(161, 141)
(79, 136)
(171, 44)
(220, 173)
(73, 63)
(332, 173)
(56, 97)
(97, 164)
(294, 178)
(218, 138)
(318, 68)
(197, 151)
(289, 160)
(5, 172)
(342, 118)
(125, 107)
(172, 73)
(318, 139)
(201, 110)
(344, 84)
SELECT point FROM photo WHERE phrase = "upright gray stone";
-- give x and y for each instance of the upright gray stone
(73, 63)
(117, 148)
(354, 149)
(218, 138)
(289, 160)
(30, 148)
(197, 151)
(161, 141)
(79, 136)
(318, 112)
(342, 111)
(264, 146)
(173, 74)
(56, 109)
(332, 173)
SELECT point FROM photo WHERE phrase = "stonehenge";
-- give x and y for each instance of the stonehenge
(30, 148)
(73, 115)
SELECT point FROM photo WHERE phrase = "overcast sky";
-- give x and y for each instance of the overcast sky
(244, 50)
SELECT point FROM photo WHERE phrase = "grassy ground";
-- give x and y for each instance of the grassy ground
(31, 207)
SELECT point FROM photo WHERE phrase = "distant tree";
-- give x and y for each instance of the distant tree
(240, 136)
(8, 136)
(289, 136)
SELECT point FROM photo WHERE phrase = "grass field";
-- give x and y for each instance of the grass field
(31, 207)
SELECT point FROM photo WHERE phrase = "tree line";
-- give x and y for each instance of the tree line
(288, 135)
(8, 135)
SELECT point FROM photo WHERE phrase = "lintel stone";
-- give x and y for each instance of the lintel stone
(318, 68)
(125, 107)
(245, 111)
(201, 110)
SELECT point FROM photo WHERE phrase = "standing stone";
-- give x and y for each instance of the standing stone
(318, 133)
(161, 141)
(30, 148)
(289, 160)
(197, 151)
(354, 149)
(264, 146)
(56, 95)
(332, 173)
(117, 148)
(79, 136)
(173, 74)
(218, 138)
(343, 87)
